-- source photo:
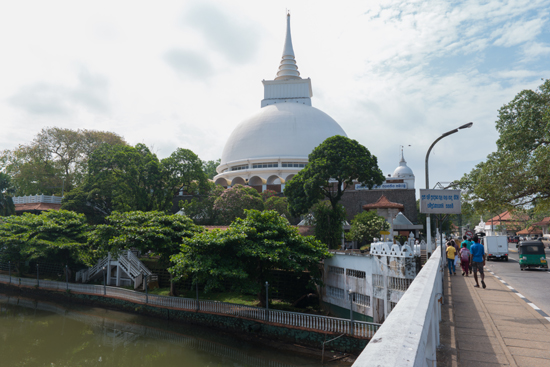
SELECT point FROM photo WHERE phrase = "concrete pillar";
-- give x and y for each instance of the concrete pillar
(118, 271)
(264, 187)
(109, 269)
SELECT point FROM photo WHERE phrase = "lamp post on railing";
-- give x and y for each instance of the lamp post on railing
(37, 277)
(9, 267)
(267, 301)
(428, 223)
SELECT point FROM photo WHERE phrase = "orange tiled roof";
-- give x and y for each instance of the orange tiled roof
(384, 203)
(36, 206)
(530, 230)
(544, 222)
(506, 217)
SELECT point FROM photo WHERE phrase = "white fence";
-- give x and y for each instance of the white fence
(410, 334)
(37, 199)
(360, 329)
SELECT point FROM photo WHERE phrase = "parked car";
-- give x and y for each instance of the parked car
(514, 239)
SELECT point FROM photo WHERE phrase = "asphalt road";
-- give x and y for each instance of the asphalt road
(532, 283)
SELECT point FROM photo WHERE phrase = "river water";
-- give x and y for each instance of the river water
(36, 333)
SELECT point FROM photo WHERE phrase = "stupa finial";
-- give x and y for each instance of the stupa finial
(288, 68)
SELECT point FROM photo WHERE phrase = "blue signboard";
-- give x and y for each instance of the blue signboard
(440, 201)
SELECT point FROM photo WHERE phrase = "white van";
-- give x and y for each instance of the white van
(496, 247)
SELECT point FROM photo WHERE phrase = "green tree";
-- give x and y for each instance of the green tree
(201, 207)
(328, 222)
(233, 202)
(245, 254)
(51, 236)
(366, 226)
(279, 204)
(55, 159)
(333, 166)
(517, 174)
(124, 178)
(183, 168)
(6, 191)
(209, 168)
(157, 232)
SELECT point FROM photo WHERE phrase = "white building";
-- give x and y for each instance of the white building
(269, 148)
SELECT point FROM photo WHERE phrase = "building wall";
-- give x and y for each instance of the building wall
(353, 201)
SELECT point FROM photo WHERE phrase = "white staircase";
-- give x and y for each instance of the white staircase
(128, 270)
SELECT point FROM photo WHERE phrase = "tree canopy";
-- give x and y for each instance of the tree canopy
(234, 201)
(366, 226)
(517, 174)
(209, 168)
(6, 191)
(247, 251)
(333, 166)
(153, 231)
(55, 235)
(124, 178)
(56, 158)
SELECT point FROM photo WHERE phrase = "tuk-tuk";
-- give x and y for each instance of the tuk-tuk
(532, 255)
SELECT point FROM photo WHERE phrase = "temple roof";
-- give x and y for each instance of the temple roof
(36, 207)
(384, 203)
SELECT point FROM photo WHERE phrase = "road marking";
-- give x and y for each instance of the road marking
(535, 307)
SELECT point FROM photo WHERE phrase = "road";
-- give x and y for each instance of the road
(532, 283)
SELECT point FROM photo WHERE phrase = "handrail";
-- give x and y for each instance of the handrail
(319, 323)
(410, 334)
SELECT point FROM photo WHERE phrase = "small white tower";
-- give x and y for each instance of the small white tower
(404, 172)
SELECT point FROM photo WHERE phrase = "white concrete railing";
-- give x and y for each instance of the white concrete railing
(410, 334)
(360, 329)
(51, 199)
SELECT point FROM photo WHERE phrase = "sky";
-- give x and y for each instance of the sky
(184, 73)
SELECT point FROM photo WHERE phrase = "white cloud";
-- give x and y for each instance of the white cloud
(184, 74)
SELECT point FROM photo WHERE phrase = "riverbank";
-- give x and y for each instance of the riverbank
(296, 339)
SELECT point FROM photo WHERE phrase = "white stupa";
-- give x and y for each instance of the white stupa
(270, 147)
(402, 173)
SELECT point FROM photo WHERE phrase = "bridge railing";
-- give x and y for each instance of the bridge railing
(360, 329)
(410, 334)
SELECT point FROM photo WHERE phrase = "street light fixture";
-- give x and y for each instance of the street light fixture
(428, 223)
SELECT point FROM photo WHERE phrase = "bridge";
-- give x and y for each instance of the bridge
(443, 320)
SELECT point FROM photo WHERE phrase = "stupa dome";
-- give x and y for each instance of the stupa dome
(403, 171)
(282, 130)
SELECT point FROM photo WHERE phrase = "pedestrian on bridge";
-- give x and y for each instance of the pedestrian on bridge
(451, 253)
(468, 245)
(465, 259)
(478, 257)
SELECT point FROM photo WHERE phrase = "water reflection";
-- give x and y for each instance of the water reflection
(35, 333)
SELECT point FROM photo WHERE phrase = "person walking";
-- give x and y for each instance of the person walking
(468, 245)
(451, 253)
(477, 258)
(465, 259)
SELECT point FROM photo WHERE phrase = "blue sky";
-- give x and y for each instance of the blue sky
(184, 73)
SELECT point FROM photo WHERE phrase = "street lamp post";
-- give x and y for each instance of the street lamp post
(428, 223)
(37, 277)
